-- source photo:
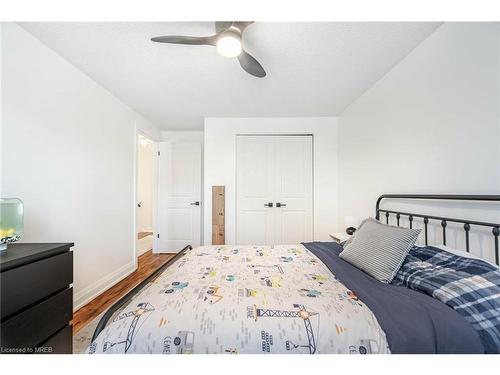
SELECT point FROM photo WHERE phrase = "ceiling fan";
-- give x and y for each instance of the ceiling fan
(227, 39)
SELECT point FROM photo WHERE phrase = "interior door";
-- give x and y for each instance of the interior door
(179, 195)
(274, 190)
(255, 190)
(293, 219)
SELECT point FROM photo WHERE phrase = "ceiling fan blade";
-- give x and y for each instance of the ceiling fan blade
(222, 26)
(179, 39)
(242, 25)
(250, 65)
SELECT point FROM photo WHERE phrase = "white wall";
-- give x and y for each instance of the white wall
(431, 125)
(68, 151)
(179, 135)
(220, 165)
(1, 101)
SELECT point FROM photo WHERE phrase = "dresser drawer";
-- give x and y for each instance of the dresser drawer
(30, 283)
(34, 325)
(59, 343)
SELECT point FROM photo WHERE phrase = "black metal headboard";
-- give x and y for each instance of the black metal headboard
(495, 227)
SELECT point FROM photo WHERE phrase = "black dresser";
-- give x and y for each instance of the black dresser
(36, 304)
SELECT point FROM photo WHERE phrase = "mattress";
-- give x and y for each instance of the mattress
(280, 299)
(244, 299)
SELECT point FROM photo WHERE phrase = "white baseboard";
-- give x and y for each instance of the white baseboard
(98, 287)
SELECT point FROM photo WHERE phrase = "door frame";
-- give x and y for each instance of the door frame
(285, 134)
(154, 201)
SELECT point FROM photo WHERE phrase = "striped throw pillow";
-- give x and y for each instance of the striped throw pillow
(379, 249)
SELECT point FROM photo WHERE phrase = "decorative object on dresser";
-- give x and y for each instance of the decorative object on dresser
(11, 221)
(36, 304)
(218, 214)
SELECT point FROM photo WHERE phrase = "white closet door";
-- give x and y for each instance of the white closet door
(274, 170)
(293, 189)
(255, 190)
(179, 196)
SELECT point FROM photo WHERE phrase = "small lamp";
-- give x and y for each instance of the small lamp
(350, 222)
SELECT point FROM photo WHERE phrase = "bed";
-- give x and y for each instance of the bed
(287, 299)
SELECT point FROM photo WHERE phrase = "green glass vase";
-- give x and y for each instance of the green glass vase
(11, 221)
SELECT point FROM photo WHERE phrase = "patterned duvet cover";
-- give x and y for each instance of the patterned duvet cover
(244, 299)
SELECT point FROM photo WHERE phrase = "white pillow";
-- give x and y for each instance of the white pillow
(462, 253)
(379, 249)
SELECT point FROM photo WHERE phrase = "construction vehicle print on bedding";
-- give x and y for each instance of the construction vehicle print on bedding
(244, 299)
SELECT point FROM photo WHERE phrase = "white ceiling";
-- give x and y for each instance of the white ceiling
(313, 69)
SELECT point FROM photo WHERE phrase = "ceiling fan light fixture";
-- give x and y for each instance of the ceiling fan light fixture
(228, 39)
(229, 44)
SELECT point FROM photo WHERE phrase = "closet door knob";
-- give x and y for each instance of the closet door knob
(195, 204)
(279, 204)
(270, 204)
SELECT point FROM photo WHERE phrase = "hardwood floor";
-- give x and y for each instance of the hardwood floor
(147, 264)
(141, 235)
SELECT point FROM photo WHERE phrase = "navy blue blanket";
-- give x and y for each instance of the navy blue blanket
(412, 321)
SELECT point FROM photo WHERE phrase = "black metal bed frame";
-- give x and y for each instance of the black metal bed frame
(444, 220)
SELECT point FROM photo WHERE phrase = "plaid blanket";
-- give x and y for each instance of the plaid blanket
(470, 286)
